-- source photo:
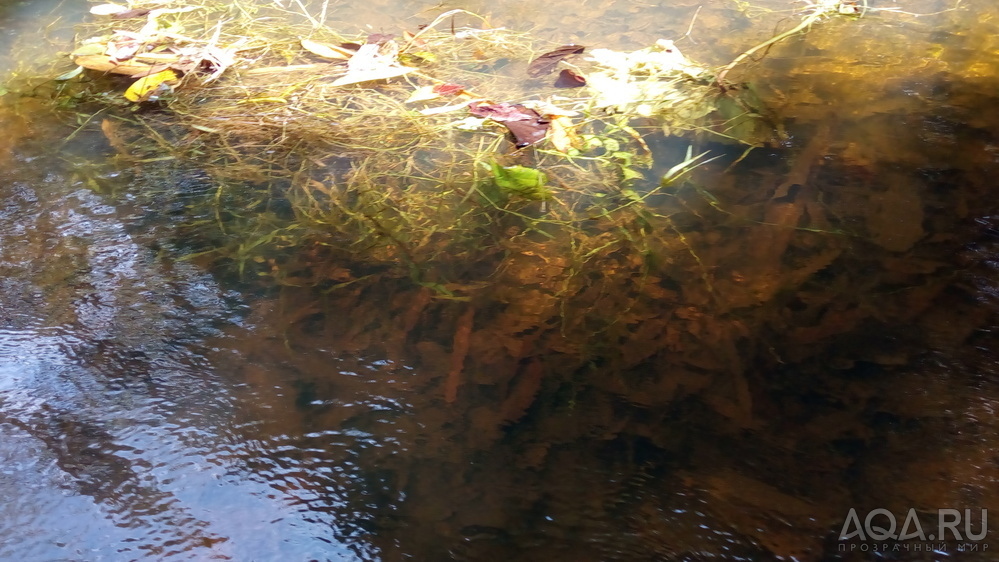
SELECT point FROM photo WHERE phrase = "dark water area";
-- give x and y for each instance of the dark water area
(815, 335)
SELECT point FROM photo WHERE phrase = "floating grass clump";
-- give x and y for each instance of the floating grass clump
(419, 154)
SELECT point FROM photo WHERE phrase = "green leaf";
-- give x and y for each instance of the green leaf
(624, 157)
(69, 75)
(520, 180)
(631, 174)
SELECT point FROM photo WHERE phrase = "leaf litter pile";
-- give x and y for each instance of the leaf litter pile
(519, 218)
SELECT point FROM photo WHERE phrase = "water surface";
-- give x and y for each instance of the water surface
(831, 346)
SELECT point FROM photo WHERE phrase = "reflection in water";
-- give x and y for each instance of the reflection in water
(830, 347)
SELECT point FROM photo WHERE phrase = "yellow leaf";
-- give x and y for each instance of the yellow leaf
(143, 87)
(326, 50)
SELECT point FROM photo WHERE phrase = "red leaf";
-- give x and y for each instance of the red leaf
(448, 89)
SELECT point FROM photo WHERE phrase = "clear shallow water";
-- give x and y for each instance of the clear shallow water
(151, 410)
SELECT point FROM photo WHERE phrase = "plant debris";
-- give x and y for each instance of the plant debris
(526, 125)
(569, 79)
(383, 147)
(546, 63)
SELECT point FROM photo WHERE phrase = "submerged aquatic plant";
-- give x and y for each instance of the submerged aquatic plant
(389, 151)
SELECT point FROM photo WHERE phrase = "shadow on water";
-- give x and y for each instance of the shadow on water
(822, 340)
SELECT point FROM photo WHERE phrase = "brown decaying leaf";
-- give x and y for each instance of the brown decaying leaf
(104, 63)
(546, 63)
(110, 129)
(569, 79)
(459, 351)
(379, 38)
(526, 125)
(524, 391)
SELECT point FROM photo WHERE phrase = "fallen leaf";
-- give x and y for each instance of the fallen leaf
(528, 183)
(503, 111)
(108, 9)
(546, 63)
(526, 125)
(104, 63)
(110, 130)
(447, 108)
(563, 135)
(524, 391)
(144, 87)
(379, 38)
(526, 133)
(449, 89)
(369, 63)
(384, 73)
(122, 51)
(569, 79)
(69, 75)
(459, 350)
(419, 58)
(326, 50)
(549, 110)
(93, 48)
(470, 123)
(127, 14)
(423, 93)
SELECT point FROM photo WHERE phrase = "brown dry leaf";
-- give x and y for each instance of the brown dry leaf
(524, 391)
(459, 351)
(525, 124)
(569, 79)
(547, 62)
(110, 130)
(104, 63)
